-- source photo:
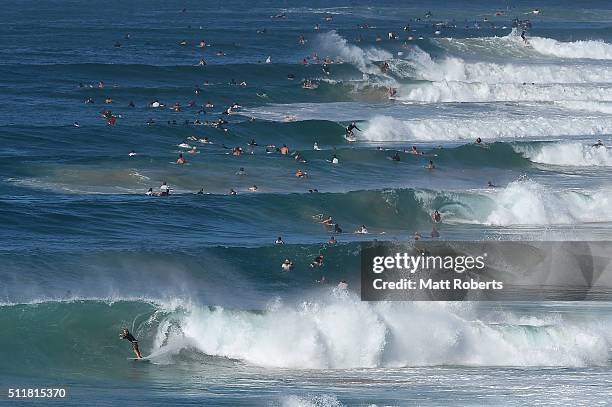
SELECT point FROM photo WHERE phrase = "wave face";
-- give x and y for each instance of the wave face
(322, 333)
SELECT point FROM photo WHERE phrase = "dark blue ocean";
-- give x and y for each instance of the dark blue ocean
(100, 99)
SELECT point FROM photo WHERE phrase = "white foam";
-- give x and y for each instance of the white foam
(593, 49)
(385, 128)
(521, 203)
(567, 154)
(419, 65)
(435, 92)
(328, 333)
(512, 45)
(334, 45)
(321, 400)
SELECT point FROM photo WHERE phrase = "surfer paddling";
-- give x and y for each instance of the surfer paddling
(125, 334)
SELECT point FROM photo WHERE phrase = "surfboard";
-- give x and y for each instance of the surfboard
(141, 360)
(350, 139)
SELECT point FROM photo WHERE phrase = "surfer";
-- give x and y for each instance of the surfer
(598, 144)
(350, 128)
(164, 189)
(125, 334)
(279, 240)
(396, 157)
(332, 240)
(181, 160)
(478, 140)
(334, 159)
(491, 185)
(328, 221)
(431, 165)
(436, 216)
(316, 146)
(524, 37)
(284, 150)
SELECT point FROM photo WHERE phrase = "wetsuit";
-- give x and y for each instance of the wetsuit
(128, 336)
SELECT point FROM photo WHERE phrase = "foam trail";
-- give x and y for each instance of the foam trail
(328, 333)
(385, 128)
(567, 154)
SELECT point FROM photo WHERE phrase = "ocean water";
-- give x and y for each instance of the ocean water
(197, 277)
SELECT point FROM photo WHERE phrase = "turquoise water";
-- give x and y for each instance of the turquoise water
(197, 277)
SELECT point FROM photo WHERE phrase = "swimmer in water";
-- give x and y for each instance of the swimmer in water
(362, 230)
(431, 165)
(181, 160)
(232, 192)
(300, 174)
(478, 140)
(396, 157)
(164, 189)
(132, 153)
(279, 240)
(334, 159)
(284, 150)
(317, 262)
(287, 265)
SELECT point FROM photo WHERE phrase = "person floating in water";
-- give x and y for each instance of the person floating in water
(317, 262)
(125, 334)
